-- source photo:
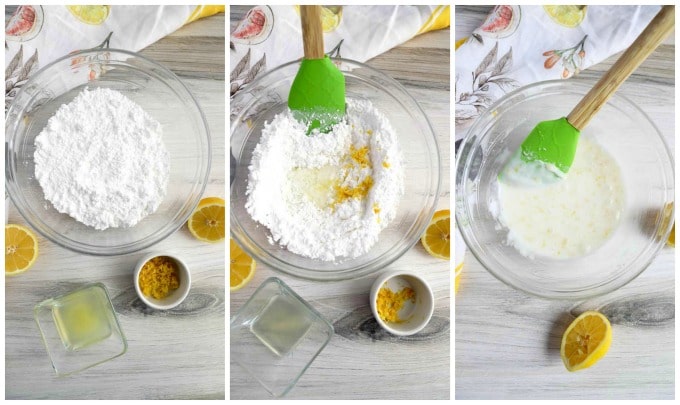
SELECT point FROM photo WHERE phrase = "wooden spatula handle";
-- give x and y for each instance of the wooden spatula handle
(651, 37)
(312, 31)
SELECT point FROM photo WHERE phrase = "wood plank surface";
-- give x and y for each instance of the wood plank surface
(362, 361)
(507, 343)
(174, 354)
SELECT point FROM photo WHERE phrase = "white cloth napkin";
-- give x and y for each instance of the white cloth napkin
(269, 36)
(38, 35)
(520, 45)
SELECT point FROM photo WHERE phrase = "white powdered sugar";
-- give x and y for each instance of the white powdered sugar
(101, 160)
(326, 196)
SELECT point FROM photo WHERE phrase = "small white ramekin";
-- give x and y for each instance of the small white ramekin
(415, 316)
(174, 298)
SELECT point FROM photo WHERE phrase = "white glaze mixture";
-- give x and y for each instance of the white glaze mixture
(571, 217)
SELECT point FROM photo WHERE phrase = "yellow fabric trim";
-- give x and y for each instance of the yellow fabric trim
(204, 11)
(460, 42)
(440, 18)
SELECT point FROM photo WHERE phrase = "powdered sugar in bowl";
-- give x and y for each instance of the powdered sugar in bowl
(160, 94)
(266, 97)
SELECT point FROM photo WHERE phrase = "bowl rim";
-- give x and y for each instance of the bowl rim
(375, 265)
(599, 289)
(184, 271)
(130, 247)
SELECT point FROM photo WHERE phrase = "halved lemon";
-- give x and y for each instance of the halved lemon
(21, 249)
(586, 340)
(241, 267)
(437, 237)
(94, 15)
(207, 221)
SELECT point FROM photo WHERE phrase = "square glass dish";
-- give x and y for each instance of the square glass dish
(276, 335)
(80, 329)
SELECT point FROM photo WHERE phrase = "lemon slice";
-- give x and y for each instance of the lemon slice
(568, 16)
(207, 221)
(94, 15)
(459, 270)
(21, 249)
(241, 267)
(586, 341)
(437, 236)
(671, 237)
(459, 257)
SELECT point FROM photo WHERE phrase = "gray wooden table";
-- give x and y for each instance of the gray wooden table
(171, 354)
(507, 343)
(362, 361)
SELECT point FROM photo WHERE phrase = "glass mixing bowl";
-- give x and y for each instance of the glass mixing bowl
(160, 93)
(267, 96)
(624, 131)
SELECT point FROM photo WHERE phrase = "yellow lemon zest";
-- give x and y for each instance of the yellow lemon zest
(159, 277)
(390, 303)
(344, 193)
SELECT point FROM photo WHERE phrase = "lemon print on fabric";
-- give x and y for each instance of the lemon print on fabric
(568, 16)
(94, 15)
(330, 17)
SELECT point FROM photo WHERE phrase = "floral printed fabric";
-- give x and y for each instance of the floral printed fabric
(269, 36)
(38, 35)
(520, 45)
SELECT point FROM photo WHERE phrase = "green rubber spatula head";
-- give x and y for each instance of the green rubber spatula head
(317, 96)
(547, 153)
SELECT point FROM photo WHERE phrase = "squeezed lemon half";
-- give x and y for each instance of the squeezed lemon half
(586, 341)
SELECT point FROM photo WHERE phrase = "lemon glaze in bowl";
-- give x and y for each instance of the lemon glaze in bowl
(626, 133)
(267, 96)
(153, 87)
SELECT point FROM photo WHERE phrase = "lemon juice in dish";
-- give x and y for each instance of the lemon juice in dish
(82, 318)
(281, 324)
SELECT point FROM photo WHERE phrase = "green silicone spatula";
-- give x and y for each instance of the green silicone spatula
(317, 96)
(547, 153)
